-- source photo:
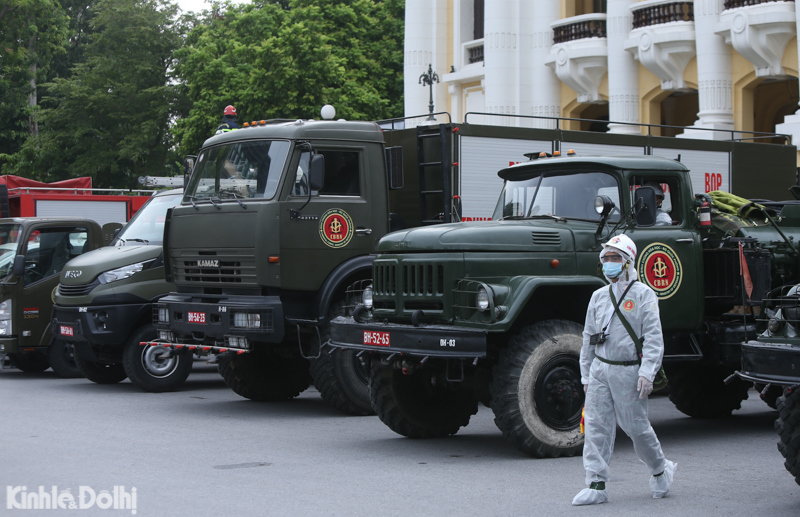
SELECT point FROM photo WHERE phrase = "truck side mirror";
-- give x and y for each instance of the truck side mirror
(19, 265)
(394, 166)
(188, 167)
(317, 172)
(110, 232)
(645, 206)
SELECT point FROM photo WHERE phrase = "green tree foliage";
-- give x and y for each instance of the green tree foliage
(110, 118)
(277, 62)
(32, 35)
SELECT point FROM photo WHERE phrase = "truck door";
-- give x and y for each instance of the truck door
(47, 251)
(670, 258)
(334, 226)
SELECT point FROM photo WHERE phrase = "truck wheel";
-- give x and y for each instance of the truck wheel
(698, 390)
(34, 362)
(265, 376)
(154, 368)
(788, 427)
(536, 390)
(100, 373)
(339, 376)
(61, 356)
(419, 405)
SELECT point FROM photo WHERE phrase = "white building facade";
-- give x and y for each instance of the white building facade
(707, 64)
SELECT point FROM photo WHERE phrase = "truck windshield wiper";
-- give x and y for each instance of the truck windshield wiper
(211, 200)
(235, 196)
(138, 240)
(191, 200)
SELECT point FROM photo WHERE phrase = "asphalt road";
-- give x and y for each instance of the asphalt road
(206, 451)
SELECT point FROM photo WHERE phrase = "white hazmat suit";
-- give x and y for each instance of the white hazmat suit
(615, 394)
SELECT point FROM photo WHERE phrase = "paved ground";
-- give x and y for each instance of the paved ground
(206, 451)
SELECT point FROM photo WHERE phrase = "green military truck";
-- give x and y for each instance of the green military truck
(33, 252)
(280, 217)
(772, 362)
(493, 311)
(103, 305)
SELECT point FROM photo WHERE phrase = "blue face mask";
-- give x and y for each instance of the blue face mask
(612, 269)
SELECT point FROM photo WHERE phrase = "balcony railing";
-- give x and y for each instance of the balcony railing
(475, 54)
(733, 4)
(579, 27)
(662, 13)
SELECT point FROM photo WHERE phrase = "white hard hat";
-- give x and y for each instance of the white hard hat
(622, 244)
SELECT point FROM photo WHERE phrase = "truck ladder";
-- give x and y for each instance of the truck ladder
(433, 155)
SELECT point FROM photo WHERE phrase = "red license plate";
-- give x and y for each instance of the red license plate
(67, 331)
(196, 317)
(376, 338)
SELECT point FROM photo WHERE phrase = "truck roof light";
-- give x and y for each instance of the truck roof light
(571, 152)
(246, 124)
(556, 153)
(254, 123)
(542, 154)
(262, 122)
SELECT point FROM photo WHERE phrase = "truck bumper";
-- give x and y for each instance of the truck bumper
(426, 341)
(101, 325)
(210, 319)
(9, 345)
(775, 363)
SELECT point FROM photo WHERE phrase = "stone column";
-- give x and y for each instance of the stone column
(500, 47)
(425, 43)
(791, 123)
(714, 80)
(623, 70)
(545, 86)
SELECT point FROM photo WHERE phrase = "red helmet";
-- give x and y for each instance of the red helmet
(229, 110)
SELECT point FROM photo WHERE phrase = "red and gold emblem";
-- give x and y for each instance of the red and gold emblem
(336, 228)
(629, 305)
(660, 268)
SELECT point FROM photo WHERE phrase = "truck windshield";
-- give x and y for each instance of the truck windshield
(147, 225)
(557, 194)
(240, 170)
(9, 241)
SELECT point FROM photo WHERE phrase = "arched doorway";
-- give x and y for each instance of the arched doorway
(773, 99)
(679, 109)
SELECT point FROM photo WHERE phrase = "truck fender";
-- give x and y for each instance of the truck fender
(335, 282)
(540, 293)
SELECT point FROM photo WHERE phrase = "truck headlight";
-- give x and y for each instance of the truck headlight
(122, 272)
(366, 297)
(163, 315)
(5, 318)
(482, 299)
(246, 320)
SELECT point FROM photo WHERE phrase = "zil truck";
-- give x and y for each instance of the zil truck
(493, 311)
(280, 217)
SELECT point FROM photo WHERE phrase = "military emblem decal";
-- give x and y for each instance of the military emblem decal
(629, 305)
(336, 228)
(660, 268)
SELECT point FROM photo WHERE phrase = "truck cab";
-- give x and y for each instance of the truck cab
(33, 252)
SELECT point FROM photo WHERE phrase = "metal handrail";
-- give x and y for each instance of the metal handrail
(393, 120)
(733, 132)
(74, 190)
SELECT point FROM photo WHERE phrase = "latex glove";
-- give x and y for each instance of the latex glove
(645, 387)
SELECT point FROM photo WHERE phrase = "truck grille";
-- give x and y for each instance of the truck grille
(77, 290)
(420, 285)
(222, 268)
(66, 316)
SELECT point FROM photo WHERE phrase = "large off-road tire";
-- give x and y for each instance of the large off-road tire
(536, 390)
(61, 357)
(33, 362)
(422, 404)
(699, 390)
(265, 376)
(339, 376)
(153, 368)
(788, 427)
(100, 373)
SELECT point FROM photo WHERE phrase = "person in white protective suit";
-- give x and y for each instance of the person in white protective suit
(616, 380)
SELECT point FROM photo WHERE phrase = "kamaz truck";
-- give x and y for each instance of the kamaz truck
(493, 311)
(280, 217)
